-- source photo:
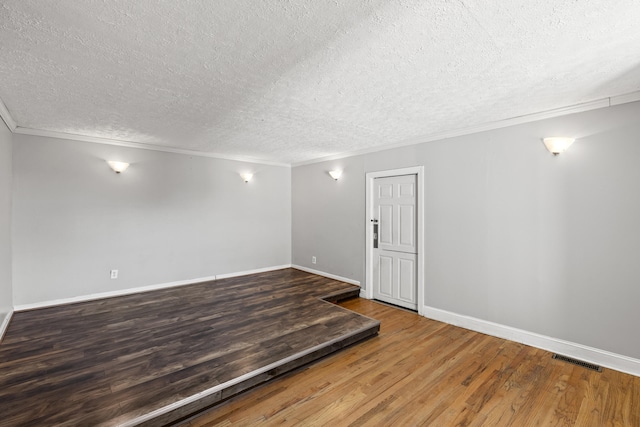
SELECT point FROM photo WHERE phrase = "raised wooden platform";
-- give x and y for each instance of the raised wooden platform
(420, 372)
(155, 357)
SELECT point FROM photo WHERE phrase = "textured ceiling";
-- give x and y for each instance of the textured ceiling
(289, 81)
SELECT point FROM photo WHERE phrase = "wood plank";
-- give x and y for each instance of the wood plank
(422, 372)
(169, 352)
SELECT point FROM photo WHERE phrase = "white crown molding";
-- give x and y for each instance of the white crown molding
(604, 358)
(626, 98)
(6, 117)
(576, 108)
(5, 324)
(512, 121)
(141, 146)
(328, 275)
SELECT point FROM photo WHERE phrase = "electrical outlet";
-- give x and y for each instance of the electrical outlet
(114, 274)
(313, 260)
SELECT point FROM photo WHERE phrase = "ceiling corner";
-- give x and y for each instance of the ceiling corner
(6, 116)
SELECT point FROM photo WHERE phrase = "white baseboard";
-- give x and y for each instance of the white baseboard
(129, 291)
(604, 358)
(5, 324)
(257, 270)
(118, 293)
(329, 275)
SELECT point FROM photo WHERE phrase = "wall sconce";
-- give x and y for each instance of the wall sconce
(246, 177)
(335, 174)
(557, 144)
(118, 166)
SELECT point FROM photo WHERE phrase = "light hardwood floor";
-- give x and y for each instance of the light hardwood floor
(422, 372)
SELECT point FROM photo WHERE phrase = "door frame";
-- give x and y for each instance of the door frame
(370, 177)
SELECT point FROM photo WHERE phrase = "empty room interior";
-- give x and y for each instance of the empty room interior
(319, 213)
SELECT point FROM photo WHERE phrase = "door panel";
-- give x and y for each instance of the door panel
(407, 279)
(396, 213)
(407, 232)
(407, 190)
(394, 261)
(385, 191)
(394, 279)
(386, 276)
(385, 226)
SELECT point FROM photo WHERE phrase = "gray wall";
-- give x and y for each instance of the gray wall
(513, 235)
(6, 295)
(168, 218)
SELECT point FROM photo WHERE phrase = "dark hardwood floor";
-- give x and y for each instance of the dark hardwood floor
(420, 372)
(152, 358)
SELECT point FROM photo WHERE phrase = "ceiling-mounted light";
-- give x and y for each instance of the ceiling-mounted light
(557, 144)
(118, 166)
(246, 177)
(335, 174)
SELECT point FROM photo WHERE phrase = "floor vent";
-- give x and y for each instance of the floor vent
(582, 363)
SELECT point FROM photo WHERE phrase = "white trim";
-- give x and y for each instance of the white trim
(511, 121)
(141, 146)
(562, 111)
(328, 275)
(626, 98)
(5, 324)
(246, 272)
(605, 358)
(111, 294)
(129, 291)
(6, 116)
(419, 172)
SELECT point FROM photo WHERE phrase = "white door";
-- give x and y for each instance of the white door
(394, 244)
